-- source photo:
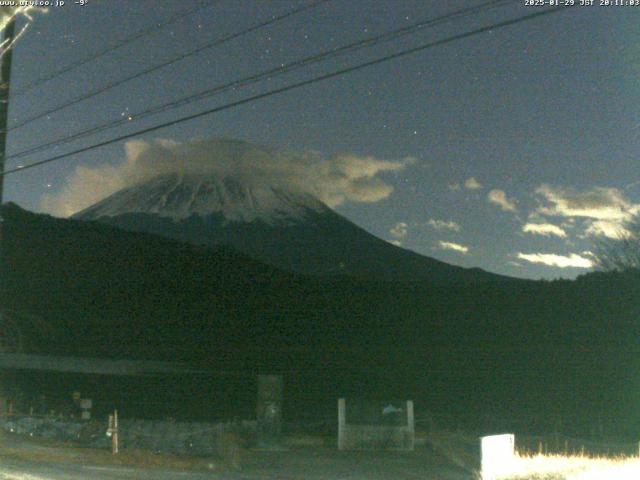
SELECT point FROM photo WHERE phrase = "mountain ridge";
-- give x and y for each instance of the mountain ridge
(289, 229)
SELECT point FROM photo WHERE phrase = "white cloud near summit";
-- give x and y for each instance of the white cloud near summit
(334, 180)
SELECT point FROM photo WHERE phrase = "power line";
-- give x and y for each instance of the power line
(293, 86)
(268, 74)
(159, 66)
(101, 53)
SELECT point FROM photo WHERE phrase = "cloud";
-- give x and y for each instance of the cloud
(399, 230)
(397, 243)
(605, 209)
(605, 228)
(472, 184)
(562, 261)
(334, 180)
(499, 198)
(545, 229)
(443, 225)
(456, 247)
(598, 203)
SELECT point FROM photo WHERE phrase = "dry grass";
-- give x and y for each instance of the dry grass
(128, 458)
(21, 476)
(575, 467)
(462, 450)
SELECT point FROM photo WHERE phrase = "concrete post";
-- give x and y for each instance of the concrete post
(497, 456)
(269, 410)
(115, 445)
(112, 431)
(411, 425)
(342, 422)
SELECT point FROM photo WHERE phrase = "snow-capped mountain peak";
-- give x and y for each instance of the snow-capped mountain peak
(180, 196)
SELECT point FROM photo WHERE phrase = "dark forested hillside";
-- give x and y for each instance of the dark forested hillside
(566, 349)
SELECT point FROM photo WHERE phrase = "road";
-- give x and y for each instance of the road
(306, 464)
(19, 469)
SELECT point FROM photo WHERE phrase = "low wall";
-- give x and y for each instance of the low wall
(376, 437)
(193, 438)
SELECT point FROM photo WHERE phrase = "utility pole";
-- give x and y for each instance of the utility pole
(5, 84)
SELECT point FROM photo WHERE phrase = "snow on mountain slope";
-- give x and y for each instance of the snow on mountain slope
(179, 196)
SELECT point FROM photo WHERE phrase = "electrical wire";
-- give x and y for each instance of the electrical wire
(268, 74)
(293, 86)
(167, 63)
(101, 53)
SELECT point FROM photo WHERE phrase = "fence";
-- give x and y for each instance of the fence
(389, 428)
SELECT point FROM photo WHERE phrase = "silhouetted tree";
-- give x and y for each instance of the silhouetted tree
(621, 253)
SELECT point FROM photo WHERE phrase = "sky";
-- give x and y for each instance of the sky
(514, 150)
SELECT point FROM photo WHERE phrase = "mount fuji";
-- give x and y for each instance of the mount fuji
(280, 226)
